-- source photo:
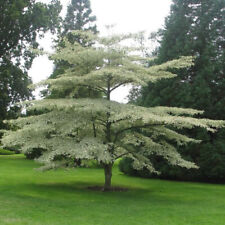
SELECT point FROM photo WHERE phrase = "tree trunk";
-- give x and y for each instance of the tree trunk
(108, 176)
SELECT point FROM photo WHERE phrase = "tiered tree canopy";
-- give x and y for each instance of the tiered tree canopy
(101, 129)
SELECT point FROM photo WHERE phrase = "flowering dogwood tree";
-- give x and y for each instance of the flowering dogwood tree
(101, 129)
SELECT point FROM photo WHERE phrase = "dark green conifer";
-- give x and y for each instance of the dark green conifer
(79, 17)
(195, 28)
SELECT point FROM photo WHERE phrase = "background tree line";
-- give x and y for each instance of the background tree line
(194, 28)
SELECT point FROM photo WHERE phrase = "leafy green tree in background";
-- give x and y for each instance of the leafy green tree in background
(100, 129)
(21, 22)
(13, 88)
(195, 28)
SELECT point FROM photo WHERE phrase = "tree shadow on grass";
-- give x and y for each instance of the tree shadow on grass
(82, 187)
(79, 190)
(77, 194)
(64, 190)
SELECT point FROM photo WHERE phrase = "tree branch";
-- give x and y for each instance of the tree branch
(133, 127)
(116, 121)
(93, 88)
(112, 89)
(121, 155)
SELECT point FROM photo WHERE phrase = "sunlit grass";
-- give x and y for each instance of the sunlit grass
(61, 197)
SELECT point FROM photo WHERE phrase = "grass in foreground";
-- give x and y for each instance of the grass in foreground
(61, 198)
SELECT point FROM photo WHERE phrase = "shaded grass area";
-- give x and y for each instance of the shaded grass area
(61, 197)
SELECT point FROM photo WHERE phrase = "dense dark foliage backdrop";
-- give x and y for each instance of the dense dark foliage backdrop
(194, 28)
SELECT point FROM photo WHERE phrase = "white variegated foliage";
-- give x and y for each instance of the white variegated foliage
(100, 129)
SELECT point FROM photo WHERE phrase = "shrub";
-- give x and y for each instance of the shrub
(125, 166)
(209, 170)
(6, 152)
(34, 153)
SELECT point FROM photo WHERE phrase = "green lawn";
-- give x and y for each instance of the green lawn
(61, 197)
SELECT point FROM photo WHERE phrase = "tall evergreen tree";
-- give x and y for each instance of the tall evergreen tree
(195, 28)
(79, 17)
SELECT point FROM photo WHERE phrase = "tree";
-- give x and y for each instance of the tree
(195, 28)
(101, 129)
(21, 22)
(13, 77)
(79, 17)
